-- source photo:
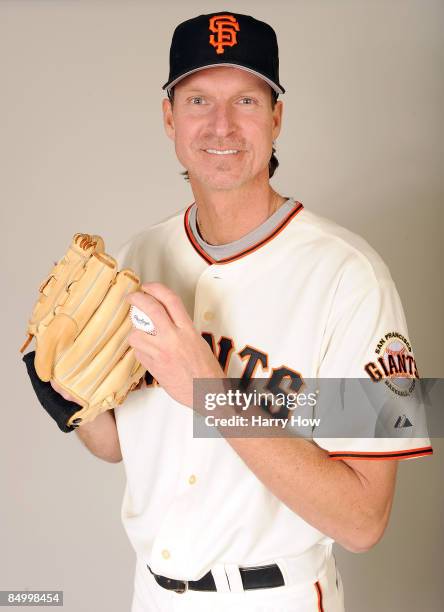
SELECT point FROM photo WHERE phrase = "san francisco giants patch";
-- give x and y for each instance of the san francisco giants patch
(394, 363)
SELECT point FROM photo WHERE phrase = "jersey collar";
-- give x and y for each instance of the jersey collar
(210, 260)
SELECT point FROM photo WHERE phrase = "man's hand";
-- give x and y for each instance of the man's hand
(177, 353)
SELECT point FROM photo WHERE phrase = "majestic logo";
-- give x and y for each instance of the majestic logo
(395, 363)
(403, 421)
(224, 28)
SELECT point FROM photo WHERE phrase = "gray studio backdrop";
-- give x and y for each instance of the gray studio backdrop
(82, 149)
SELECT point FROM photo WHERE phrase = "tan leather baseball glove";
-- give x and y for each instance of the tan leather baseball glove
(80, 324)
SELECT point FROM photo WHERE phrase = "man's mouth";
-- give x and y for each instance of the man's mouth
(222, 151)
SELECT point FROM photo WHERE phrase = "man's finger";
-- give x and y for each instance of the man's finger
(143, 343)
(171, 301)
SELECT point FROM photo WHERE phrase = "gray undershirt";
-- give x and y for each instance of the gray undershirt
(221, 251)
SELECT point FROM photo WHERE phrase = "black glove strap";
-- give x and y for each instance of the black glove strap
(55, 405)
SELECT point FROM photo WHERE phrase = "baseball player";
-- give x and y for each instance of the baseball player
(247, 283)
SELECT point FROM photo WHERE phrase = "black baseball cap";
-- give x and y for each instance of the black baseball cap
(224, 39)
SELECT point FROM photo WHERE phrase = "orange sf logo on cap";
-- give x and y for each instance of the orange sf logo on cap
(224, 28)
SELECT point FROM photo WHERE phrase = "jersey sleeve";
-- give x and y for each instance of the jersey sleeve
(375, 394)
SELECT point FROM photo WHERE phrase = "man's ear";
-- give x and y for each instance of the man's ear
(168, 121)
(277, 118)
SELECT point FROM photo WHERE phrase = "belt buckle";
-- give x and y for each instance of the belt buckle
(183, 589)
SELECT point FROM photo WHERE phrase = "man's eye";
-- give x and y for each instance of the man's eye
(247, 100)
(196, 100)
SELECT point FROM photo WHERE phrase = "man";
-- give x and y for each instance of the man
(246, 283)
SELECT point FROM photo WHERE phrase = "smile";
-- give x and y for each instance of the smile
(222, 152)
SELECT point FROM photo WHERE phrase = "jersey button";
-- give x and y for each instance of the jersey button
(208, 315)
(192, 479)
(166, 553)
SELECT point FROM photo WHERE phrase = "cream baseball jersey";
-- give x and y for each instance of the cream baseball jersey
(306, 298)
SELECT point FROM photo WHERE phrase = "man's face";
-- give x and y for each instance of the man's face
(223, 126)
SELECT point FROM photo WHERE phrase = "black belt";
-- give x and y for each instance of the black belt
(263, 577)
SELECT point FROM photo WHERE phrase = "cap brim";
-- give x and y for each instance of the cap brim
(277, 87)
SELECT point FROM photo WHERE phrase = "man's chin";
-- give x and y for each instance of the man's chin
(220, 181)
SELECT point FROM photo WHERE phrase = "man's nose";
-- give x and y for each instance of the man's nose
(222, 120)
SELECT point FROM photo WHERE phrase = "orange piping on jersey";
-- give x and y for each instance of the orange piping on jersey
(277, 230)
(319, 594)
(193, 241)
(406, 454)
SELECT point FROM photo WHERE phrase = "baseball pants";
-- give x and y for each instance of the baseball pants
(326, 595)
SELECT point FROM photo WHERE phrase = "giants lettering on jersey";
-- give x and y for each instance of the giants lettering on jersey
(253, 358)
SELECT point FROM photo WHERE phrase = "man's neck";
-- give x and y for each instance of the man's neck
(224, 216)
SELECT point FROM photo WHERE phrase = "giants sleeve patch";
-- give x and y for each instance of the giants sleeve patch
(394, 363)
